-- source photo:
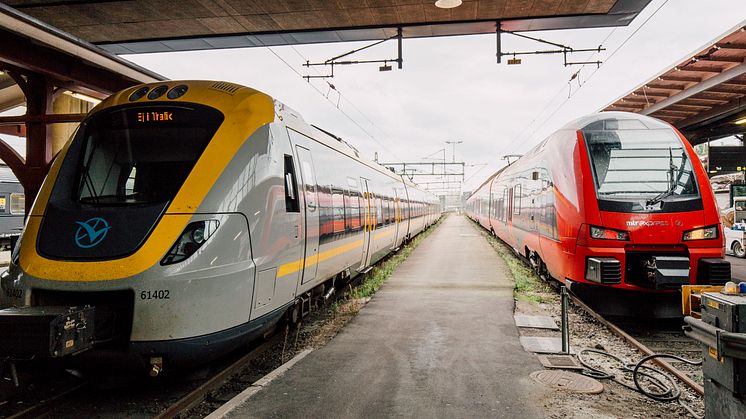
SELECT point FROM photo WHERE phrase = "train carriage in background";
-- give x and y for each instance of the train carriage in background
(615, 205)
(12, 207)
(192, 216)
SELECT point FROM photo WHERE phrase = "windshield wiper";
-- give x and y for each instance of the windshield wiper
(672, 182)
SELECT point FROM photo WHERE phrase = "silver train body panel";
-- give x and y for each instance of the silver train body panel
(262, 257)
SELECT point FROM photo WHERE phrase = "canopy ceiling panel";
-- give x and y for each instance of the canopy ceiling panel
(135, 26)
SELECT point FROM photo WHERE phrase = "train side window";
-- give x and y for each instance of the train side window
(361, 210)
(291, 186)
(348, 209)
(379, 211)
(338, 210)
(384, 211)
(517, 199)
(17, 203)
(506, 204)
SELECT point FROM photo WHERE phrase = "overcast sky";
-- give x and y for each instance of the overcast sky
(452, 89)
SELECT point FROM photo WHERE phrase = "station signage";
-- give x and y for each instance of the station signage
(725, 159)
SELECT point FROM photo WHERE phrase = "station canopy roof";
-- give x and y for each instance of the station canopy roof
(140, 26)
(703, 96)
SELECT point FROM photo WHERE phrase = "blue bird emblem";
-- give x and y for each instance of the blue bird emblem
(91, 232)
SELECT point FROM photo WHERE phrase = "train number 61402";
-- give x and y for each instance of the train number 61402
(155, 295)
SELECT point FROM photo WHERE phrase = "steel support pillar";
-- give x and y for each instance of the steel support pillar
(39, 93)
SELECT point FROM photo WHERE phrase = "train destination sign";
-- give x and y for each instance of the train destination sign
(155, 116)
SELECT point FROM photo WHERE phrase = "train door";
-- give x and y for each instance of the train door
(511, 201)
(369, 223)
(534, 210)
(397, 218)
(490, 207)
(311, 220)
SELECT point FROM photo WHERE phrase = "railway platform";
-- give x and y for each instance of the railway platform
(437, 340)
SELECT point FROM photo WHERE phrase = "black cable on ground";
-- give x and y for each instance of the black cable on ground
(668, 389)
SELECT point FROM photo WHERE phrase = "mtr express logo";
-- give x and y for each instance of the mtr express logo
(648, 223)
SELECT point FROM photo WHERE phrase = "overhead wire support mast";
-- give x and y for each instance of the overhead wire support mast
(401, 168)
(331, 62)
(564, 50)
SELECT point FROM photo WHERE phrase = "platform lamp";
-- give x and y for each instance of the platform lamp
(448, 4)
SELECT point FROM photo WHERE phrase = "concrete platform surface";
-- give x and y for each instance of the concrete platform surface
(437, 340)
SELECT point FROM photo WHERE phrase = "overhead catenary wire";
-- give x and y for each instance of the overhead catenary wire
(590, 76)
(559, 92)
(345, 114)
(345, 98)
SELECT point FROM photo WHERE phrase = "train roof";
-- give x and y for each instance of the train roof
(339, 144)
(595, 121)
(637, 121)
(6, 175)
(217, 92)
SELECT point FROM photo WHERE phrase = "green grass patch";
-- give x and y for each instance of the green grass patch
(383, 270)
(527, 284)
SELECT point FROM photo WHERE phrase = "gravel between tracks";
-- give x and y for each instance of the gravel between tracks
(535, 297)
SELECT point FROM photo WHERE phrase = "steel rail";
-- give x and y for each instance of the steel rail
(641, 347)
(47, 405)
(196, 396)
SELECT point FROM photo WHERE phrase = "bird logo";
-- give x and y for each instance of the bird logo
(91, 232)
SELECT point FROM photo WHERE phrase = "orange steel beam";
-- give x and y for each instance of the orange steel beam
(14, 130)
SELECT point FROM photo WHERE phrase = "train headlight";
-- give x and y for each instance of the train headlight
(198, 235)
(608, 234)
(192, 238)
(704, 233)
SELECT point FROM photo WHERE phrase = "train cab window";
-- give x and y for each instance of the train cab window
(291, 186)
(139, 154)
(129, 185)
(633, 161)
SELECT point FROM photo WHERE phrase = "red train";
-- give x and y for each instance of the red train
(615, 205)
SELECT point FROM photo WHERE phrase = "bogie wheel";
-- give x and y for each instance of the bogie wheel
(739, 250)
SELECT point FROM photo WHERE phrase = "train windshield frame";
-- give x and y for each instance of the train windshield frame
(141, 154)
(637, 168)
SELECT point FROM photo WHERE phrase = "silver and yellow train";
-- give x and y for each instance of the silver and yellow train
(193, 215)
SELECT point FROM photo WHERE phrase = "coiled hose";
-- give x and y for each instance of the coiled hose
(667, 388)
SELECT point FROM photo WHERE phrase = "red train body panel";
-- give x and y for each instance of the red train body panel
(614, 199)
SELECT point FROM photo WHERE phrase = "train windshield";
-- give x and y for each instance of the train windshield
(143, 154)
(632, 161)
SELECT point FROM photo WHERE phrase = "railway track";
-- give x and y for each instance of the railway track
(199, 394)
(167, 400)
(671, 340)
(654, 341)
